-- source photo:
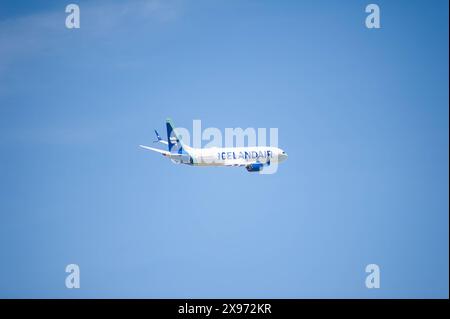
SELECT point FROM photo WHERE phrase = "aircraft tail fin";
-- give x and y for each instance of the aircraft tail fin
(173, 139)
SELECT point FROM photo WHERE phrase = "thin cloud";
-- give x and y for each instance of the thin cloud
(23, 36)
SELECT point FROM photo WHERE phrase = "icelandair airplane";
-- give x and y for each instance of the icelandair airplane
(252, 158)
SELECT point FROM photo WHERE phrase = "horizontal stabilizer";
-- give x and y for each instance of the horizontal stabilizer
(159, 139)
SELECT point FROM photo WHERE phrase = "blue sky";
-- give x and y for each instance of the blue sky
(363, 115)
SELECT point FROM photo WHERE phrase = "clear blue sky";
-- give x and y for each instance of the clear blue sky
(363, 115)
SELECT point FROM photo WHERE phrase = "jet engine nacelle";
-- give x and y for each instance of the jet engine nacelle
(183, 159)
(256, 167)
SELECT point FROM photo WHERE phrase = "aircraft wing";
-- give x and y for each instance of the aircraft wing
(242, 162)
(254, 166)
(164, 153)
(237, 163)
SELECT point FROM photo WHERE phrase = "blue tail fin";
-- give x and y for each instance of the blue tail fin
(174, 143)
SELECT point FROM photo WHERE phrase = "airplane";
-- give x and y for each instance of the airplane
(254, 159)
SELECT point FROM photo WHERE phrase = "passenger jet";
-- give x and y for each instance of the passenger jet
(252, 158)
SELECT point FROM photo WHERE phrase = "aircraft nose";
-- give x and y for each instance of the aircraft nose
(283, 156)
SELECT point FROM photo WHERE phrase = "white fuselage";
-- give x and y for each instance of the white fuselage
(235, 156)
